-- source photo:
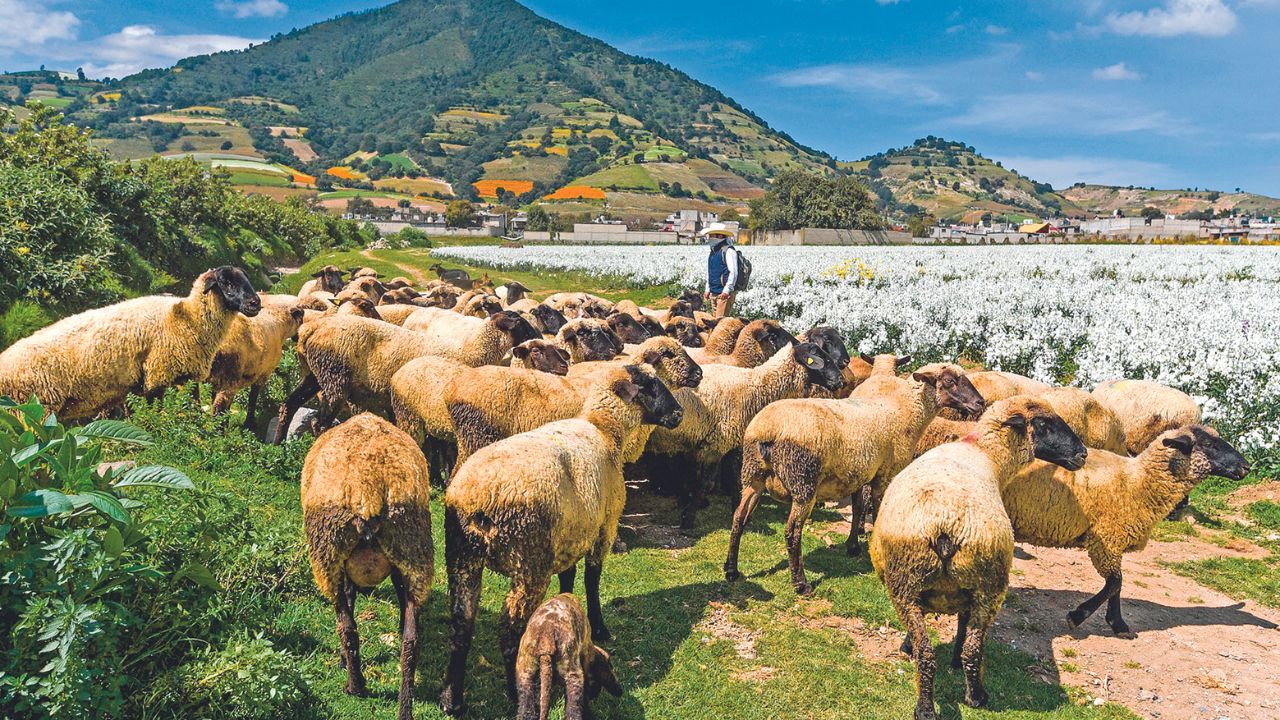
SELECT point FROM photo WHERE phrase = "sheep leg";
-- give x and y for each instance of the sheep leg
(575, 695)
(523, 598)
(1117, 623)
(567, 579)
(801, 508)
(221, 403)
(746, 506)
(397, 582)
(857, 518)
(594, 567)
(307, 389)
(923, 654)
(464, 559)
(692, 490)
(408, 646)
(251, 407)
(349, 638)
(1112, 586)
(957, 647)
(972, 638)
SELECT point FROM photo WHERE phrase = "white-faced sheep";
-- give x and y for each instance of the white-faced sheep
(557, 646)
(813, 450)
(563, 507)
(327, 278)
(1110, 506)
(367, 515)
(758, 341)
(250, 352)
(86, 364)
(942, 542)
(1146, 409)
(717, 413)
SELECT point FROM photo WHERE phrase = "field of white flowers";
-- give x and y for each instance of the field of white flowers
(1202, 319)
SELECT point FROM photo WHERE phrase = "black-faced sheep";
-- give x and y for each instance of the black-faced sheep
(512, 293)
(470, 340)
(367, 515)
(1110, 506)
(557, 647)
(564, 507)
(589, 340)
(626, 328)
(942, 542)
(250, 352)
(86, 364)
(1146, 409)
(327, 278)
(685, 330)
(758, 341)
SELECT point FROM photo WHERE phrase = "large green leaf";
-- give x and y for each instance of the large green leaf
(116, 430)
(103, 502)
(40, 503)
(200, 574)
(155, 476)
(113, 542)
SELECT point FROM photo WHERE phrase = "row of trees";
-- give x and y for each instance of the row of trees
(798, 199)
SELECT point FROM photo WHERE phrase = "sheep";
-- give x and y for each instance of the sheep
(352, 359)
(720, 341)
(718, 411)
(942, 542)
(588, 339)
(399, 282)
(418, 397)
(86, 364)
(580, 305)
(469, 340)
(477, 304)
(319, 300)
(564, 507)
(1110, 506)
(685, 330)
(365, 286)
(250, 352)
(995, 385)
(557, 645)
(1146, 409)
(457, 278)
(491, 403)
(360, 307)
(1096, 425)
(694, 298)
(396, 314)
(943, 430)
(678, 308)
(511, 293)
(362, 272)
(367, 515)
(758, 341)
(811, 450)
(831, 342)
(327, 278)
(706, 321)
(626, 328)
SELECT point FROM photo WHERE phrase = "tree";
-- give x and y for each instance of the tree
(403, 203)
(1152, 213)
(460, 213)
(920, 224)
(226, 145)
(798, 199)
(539, 220)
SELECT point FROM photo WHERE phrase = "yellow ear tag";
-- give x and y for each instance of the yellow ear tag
(808, 361)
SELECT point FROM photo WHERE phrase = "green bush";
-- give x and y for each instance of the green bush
(246, 679)
(20, 320)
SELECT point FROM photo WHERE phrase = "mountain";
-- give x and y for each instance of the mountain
(951, 181)
(1106, 199)
(466, 90)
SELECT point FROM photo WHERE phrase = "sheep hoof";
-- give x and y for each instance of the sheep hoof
(853, 549)
(449, 706)
(804, 589)
(1121, 630)
(356, 690)
(976, 698)
(923, 714)
(1076, 618)
(732, 574)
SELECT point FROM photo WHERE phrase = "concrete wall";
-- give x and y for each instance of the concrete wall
(390, 227)
(603, 235)
(827, 236)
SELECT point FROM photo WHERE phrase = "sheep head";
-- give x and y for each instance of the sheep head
(685, 330)
(955, 390)
(543, 356)
(671, 361)
(819, 368)
(1033, 422)
(552, 319)
(1203, 453)
(600, 674)
(232, 286)
(330, 277)
(592, 338)
(627, 328)
(516, 326)
(829, 339)
(657, 405)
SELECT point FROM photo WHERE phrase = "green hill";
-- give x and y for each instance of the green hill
(464, 90)
(1106, 199)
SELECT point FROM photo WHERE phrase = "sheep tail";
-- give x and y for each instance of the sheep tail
(367, 527)
(766, 450)
(544, 686)
(945, 548)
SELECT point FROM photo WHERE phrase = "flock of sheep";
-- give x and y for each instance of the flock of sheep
(530, 413)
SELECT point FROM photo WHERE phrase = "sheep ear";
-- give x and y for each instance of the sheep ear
(806, 356)
(760, 333)
(649, 357)
(1017, 422)
(297, 313)
(569, 334)
(927, 377)
(564, 354)
(626, 390)
(1179, 442)
(317, 274)
(904, 360)
(520, 351)
(505, 323)
(868, 359)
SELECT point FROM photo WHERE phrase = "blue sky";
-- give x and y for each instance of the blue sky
(1172, 93)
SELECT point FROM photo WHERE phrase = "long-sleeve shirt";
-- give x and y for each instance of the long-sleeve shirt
(722, 276)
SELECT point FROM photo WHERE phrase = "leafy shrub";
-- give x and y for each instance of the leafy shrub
(246, 679)
(20, 320)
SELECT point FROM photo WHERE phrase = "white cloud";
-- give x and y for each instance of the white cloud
(1034, 76)
(252, 8)
(137, 47)
(996, 30)
(25, 25)
(1177, 17)
(894, 82)
(1080, 114)
(1119, 71)
(1066, 170)
(888, 2)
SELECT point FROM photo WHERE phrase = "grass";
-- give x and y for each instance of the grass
(1257, 580)
(263, 179)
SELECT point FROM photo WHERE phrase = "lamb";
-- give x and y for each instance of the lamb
(718, 411)
(491, 403)
(720, 341)
(811, 450)
(557, 645)
(457, 278)
(1110, 506)
(511, 293)
(588, 340)
(327, 278)
(468, 340)
(352, 359)
(564, 508)
(1096, 425)
(685, 330)
(1146, 409)
(86, 364)
(367, 515)
(942, 542)
(418, 398)
(758, 341)
(249, 354)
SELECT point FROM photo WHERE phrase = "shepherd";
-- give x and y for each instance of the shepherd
(722, 267)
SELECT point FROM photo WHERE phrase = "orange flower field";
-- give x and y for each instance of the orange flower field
(489, 188)
(576, 192)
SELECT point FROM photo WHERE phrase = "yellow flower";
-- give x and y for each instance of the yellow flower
(24, 250)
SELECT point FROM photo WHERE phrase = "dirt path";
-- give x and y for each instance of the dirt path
(1198, 654)
(420, 278)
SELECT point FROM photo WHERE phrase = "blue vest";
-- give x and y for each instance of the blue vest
(717, 268)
